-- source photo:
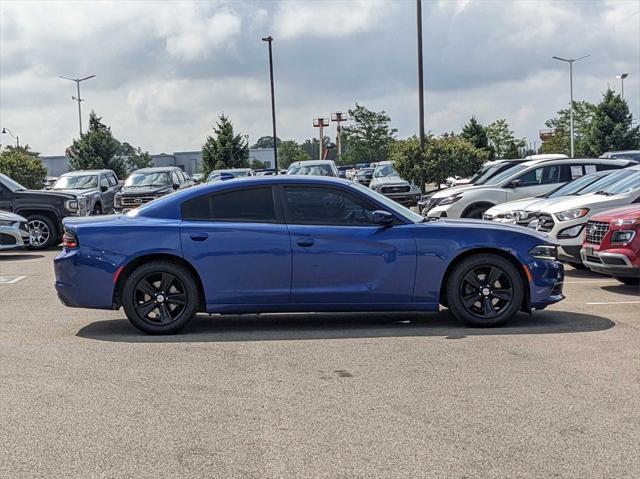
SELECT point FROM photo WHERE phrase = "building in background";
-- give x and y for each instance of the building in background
(188, 161)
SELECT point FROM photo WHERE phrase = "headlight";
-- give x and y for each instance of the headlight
(116, 201)
(544, 251)
(6, 223)
(572, 214)
(449, 200)
(622, 236)
(571, 232)
(71, 205)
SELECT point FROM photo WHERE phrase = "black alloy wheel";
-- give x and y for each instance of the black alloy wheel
(485, 290)
(160, 297)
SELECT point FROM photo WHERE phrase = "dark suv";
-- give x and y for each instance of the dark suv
(147, 184)
(44, 210)
(98, 186)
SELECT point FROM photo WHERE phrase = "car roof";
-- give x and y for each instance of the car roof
(85, 172)
(312, 162)
(156, 169)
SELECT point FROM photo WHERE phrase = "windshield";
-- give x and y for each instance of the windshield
(216, 174)
(385, 170)
(366, 171)
(76, 182)
(499, 178)
(140, 180)
(316, 170)
(485, 173)
(631, 155)
(629, 183)
(9, 183)
(389, 204)
(575, 186)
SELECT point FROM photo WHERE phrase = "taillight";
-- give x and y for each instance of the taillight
(69, 240)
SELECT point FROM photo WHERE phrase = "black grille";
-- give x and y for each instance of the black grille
(135, 201)
(596, 231)
(545, 223)
(593, 259)
(396, 189)
(6, 239)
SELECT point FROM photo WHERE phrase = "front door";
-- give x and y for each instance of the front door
(339, 256)
(239, 245)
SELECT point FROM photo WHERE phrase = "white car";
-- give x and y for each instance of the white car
(564, 220)
(219, 175)
(530, 178)
(14, 231)
(523, 211)
(314, 167)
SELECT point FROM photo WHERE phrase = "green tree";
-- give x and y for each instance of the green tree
(559, 142)
(290, 151)
(96, 149)
(369, 137)
(611, 128)
(266, 142)
(443, 157)
(256, 164)
(22, 166)
(476, 134)
(502, 138)
(225, 149)
(134, 158)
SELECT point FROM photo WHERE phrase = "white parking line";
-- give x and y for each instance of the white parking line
(609, 280)
(615, 302)
(10, 279)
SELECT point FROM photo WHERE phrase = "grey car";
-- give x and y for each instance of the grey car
(387, 181)
(99, 187)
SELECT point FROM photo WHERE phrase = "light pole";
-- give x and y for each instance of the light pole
(8, 131)
(339, 117)
(621, 77)
(420, 85)
(570, 61)
(269, 40)
(320, 123)
(78, 99)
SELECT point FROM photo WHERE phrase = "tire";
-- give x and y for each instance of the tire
(97, 210)
(174, 302)
(629, 280)
(475, 211)
(43, 232)
(469, 281)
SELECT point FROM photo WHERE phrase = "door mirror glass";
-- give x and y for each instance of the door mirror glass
(514, 183)
(176, 185)
(103, 188)
(382, 218)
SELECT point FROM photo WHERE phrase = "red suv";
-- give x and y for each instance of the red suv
(612, 244)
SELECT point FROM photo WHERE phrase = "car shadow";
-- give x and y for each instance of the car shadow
(309, 326)
(19, 256)
(623, 289)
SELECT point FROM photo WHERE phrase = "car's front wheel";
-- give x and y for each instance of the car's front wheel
(484, 290)
(42, 232)
(160, 297)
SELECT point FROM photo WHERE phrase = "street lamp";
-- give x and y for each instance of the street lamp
(621, 77)
(78, 99)
(8, 131)
(570, 61)
(269, 40)
(320, 123)
(339, 117)
(420, 79)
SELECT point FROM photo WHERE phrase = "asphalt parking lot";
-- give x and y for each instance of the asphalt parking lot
(83, 394)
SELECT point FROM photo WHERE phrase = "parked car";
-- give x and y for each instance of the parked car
(342, 171)
(293, 243)
(44, 210)
(564, 220)
(523, 211)
(387, 180)
(99, 187)
(314, 168)
(49, 182)
(629, 154)
(217, 175)
(14, 231)
(147, 184)
(530, 178)
(197, 178)
(364, 176)
(612, 244)
(266, 172)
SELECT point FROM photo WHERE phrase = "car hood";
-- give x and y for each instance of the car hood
(591, 201)
(6, 216)
(494, 226)
(48, 194)
(629, 212)
(390, 180)
(85, 192)
(456, 189)
(529, 204)
(133, 191)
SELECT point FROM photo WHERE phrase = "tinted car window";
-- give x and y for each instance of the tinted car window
(254, 204)
(104, 181)
(326, 206)
(112, 179)
(540, 176)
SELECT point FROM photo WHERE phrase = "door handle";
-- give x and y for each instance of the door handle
(305, 242)
(198, 236)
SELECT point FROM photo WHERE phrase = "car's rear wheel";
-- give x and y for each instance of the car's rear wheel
(629, 280)
(484, 290)
(160, 297)
(42, 232)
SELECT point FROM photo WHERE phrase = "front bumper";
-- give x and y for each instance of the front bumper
(406, 199)
(15, 235)
(546, 283)
(613, 264)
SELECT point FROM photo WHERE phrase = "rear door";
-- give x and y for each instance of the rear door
(339, 256)
(240, 246)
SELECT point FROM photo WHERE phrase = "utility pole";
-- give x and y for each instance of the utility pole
(621, 77)
(420, 83)
(269, 40)
(339, 117)
(78, 98)
(320, 123)
(570, 61)
(8, 132)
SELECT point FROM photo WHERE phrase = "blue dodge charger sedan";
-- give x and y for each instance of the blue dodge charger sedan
(294, 243)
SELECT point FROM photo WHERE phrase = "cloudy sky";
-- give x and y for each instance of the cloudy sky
(165, 70)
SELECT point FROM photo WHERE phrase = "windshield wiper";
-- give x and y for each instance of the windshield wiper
(603, 192)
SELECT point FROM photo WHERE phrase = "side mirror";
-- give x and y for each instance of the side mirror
(176, 186)
(103, 188)
(382, 218)
(514, 184)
